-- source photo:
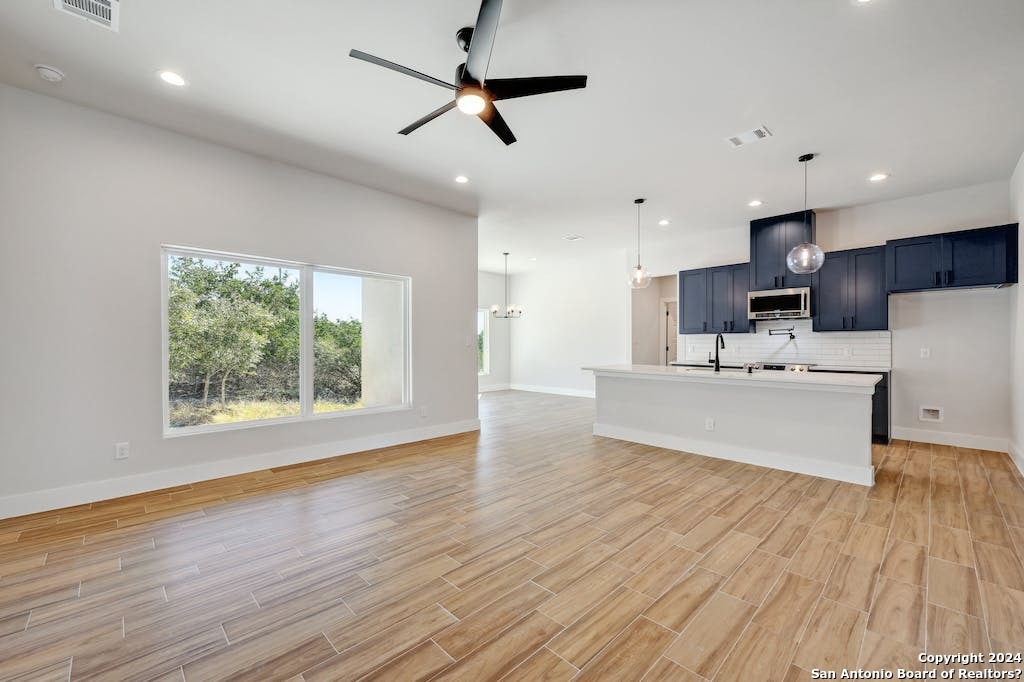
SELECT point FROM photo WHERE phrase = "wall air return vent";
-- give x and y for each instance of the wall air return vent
(748, 136)
(103, 12)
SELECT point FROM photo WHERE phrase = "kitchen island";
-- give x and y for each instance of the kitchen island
(808, 422)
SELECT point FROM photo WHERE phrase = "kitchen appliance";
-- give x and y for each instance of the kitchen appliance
(779, 304)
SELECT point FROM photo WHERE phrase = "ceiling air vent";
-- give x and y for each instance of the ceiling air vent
(748, 136)
(102, 12)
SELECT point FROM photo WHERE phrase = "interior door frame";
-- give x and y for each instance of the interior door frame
(662, 331)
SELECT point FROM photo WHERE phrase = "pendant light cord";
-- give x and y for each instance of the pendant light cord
(638, 236)
(506, 283)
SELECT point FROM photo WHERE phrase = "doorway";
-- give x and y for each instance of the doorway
(669, 330)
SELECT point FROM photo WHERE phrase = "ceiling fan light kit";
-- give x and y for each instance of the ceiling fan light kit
(475, 94)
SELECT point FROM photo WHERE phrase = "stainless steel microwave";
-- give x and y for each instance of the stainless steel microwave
(779, 304)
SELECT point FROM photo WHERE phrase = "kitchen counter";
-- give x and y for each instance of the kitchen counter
(816, 423)
(813, 381)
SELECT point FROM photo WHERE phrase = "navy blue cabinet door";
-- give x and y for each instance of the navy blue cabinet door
(720, 299)
(850, 291)
(867, 297)
(693, 301)
(771, 239)
(914, 264)
(765, 254)
(740, 288)
(974, 258)
(830, 289)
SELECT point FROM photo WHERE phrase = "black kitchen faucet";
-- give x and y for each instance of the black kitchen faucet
(719, 340)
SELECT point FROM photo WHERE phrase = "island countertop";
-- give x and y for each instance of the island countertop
(813, 381)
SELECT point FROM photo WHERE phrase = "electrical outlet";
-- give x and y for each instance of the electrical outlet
(693, 348)
(846, 351)
(423, 411)
(709, 424)
(122, 450)
(926, 353)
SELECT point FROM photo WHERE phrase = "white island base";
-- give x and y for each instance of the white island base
(809, 423)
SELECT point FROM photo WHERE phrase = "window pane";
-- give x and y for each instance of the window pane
(359, 351)
(233, 341)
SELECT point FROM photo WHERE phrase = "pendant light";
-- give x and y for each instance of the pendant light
(807, 257)
(639, 278)
(510, 311)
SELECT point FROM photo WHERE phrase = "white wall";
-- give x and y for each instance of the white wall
(1017, 329)
(491, 291)
(967, 372)
(577, 313)
(86, 200)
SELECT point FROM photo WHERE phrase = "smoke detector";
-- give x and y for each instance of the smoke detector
(106, 13)
(748, 136)
(50, 74)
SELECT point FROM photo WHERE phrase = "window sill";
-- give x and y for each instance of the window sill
(178, 432)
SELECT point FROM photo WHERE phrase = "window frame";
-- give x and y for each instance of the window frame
(486, 371)
(306, 346)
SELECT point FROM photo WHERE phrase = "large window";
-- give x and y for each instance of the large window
(483, 341)
(251, 340)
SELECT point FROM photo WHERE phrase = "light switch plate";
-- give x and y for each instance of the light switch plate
(926, 353)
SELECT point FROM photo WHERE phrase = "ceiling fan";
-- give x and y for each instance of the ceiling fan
(475, 94)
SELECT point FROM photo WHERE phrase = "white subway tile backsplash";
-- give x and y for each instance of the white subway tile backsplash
(837, 349)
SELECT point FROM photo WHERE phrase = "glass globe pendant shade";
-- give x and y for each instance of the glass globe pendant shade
(805, 259)
(639, 278)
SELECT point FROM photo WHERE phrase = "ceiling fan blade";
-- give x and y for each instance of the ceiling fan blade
(482, 43)
(427, 119)
(496, 123)
(508, 88)
(399, 68)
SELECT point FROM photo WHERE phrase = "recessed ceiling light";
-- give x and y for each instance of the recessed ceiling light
(534, 259)
(50, 74)
(878, 177)
(863, 2)
(461, 179)
(754, 203)
(172, 78)
(664, 221)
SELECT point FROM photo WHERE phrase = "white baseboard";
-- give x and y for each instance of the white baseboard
(960, 440)
(494, 387)
(1017, 456)
(555, 390)
(774, 460)
(94, 491)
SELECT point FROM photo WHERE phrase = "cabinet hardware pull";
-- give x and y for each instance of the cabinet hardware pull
(938, 282)
(853, 322)
(949, 277)
(844, 322)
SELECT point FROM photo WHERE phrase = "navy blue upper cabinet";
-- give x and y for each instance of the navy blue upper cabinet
(867, 298)
(713, 300)
(693, 301)
(771, 239)
(850, 291)
(914, 264)
(740, 288)
(969, 258)
(830, 289)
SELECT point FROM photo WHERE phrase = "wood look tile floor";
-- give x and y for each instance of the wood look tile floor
(532, 550)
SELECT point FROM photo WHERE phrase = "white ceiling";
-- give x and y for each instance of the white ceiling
(929, 90)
